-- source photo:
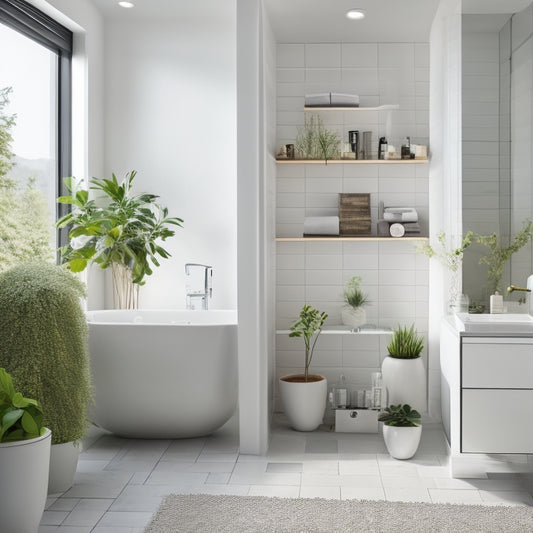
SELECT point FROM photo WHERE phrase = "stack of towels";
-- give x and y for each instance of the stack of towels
(323, 225)
(399, 221)
(331, 100)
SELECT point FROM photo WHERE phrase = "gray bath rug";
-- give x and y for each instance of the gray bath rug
(200, 513)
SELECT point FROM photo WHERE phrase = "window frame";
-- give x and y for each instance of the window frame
(38, 26)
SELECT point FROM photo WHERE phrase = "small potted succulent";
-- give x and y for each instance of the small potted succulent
(354, 313)
(304, 395)
(404, 375)
(401, 430)
(24, 460)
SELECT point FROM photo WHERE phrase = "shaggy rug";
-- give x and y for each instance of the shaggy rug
(250, 514)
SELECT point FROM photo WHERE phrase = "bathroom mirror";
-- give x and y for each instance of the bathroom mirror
(497, 131)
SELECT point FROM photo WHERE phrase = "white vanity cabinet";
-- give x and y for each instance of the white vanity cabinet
(487, 399)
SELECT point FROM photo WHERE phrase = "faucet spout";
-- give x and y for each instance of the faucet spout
(199, 288)
(513, 288)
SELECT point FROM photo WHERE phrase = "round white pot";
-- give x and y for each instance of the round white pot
(405, 381)
(24, 468)
(353, 317)
(63, 463)
(304, 403)
(402, 443)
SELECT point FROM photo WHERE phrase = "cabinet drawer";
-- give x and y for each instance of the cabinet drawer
(497, 421)
(497, 365)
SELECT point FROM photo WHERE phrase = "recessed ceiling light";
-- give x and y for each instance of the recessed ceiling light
(355, 14)
(126, 4)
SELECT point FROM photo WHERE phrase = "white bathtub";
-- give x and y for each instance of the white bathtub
(163, 374)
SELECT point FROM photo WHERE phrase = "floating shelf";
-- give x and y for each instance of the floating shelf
(345, 330)
(352, 161)
(329, 108)
(370, 238)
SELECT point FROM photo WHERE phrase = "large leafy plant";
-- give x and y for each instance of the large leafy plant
(405, 343)
(403, 416)
(309, 327)
(20, 418)
(122, 230)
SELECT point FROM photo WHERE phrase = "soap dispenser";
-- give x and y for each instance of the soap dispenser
(496, 303)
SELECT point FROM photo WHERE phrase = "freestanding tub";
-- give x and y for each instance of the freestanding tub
(163, 374)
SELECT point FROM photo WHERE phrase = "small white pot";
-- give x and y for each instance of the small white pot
(304, 403)
(24, 466)
(353, 317)
(405, 381)
(63, 463)
(402, 443)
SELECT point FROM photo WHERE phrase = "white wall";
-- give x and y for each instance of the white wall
(170, 114)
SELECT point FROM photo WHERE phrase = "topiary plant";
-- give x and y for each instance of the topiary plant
(43, 344)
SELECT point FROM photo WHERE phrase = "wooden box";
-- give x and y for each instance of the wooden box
(354, 214)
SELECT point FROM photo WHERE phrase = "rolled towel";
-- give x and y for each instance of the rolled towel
(344, 100)
(321, 226)
(400, 214)
(397, 230)
(318, 100)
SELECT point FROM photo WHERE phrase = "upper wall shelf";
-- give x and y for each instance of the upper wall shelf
(341, 238)
(353, 161)
(329, 108)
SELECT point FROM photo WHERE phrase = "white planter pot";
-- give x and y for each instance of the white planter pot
(24, 468)
(304, 403)
(63, 463)
(405, 382)
(402, 443)
(353, 317)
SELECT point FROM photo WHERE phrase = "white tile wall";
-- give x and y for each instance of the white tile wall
(394, 274)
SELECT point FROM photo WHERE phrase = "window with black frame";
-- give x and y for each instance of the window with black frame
(35, 131)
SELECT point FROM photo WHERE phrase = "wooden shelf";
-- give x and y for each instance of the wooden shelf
(370, 238)
(387, 107)
(352, 161)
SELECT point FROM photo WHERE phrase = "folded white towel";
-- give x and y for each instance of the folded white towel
(317, 100)
(321, 226)
(344, 100)
(400, 214)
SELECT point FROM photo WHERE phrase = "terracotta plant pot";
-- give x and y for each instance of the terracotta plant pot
(304, 403)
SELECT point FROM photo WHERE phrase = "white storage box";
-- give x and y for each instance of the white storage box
(356, 421)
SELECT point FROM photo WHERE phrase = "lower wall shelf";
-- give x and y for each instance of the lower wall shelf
(340, 238)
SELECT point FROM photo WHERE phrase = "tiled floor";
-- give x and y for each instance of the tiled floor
(120, 482)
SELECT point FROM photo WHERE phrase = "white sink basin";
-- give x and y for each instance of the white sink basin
(504, 323)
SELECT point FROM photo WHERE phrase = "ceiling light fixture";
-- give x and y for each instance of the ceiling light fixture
(355, 14)
(126, 4)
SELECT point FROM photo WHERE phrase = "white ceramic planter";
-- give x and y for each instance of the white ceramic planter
(405, 382)
(304, 403)
(24, 469)
(63, 463)
(402, 443)
(353, 317)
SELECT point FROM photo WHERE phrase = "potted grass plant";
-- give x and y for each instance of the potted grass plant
(121, 231)
(354, 313)
(304, 395)
(403, 372)
(43, 345)
(401, 430)
(24, 460)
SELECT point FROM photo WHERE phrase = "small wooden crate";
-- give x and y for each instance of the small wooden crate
(354, 214)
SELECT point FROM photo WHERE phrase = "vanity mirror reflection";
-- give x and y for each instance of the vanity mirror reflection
(497, 131)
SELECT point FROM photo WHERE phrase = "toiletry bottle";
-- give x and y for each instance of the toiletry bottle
(342, 394)
(353, 139)
(383, 148)
(406, 149)
(496, 303)
(376, 390)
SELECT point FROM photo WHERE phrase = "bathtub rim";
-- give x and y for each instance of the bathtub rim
(231, 319)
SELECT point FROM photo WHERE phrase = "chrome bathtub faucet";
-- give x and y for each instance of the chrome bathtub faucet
(198, 285)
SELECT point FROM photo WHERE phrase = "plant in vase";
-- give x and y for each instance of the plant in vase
(304, 395)
(24, 459)
(354, 314)
(401, 430)
(123, 234)
(43, 344)
(403, 372)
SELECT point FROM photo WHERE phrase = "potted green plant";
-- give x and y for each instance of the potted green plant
(24, 460)
(123, 232)
(403, 372)
(304, 395)
(401, 430)
(43, 345)
(354, 313)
